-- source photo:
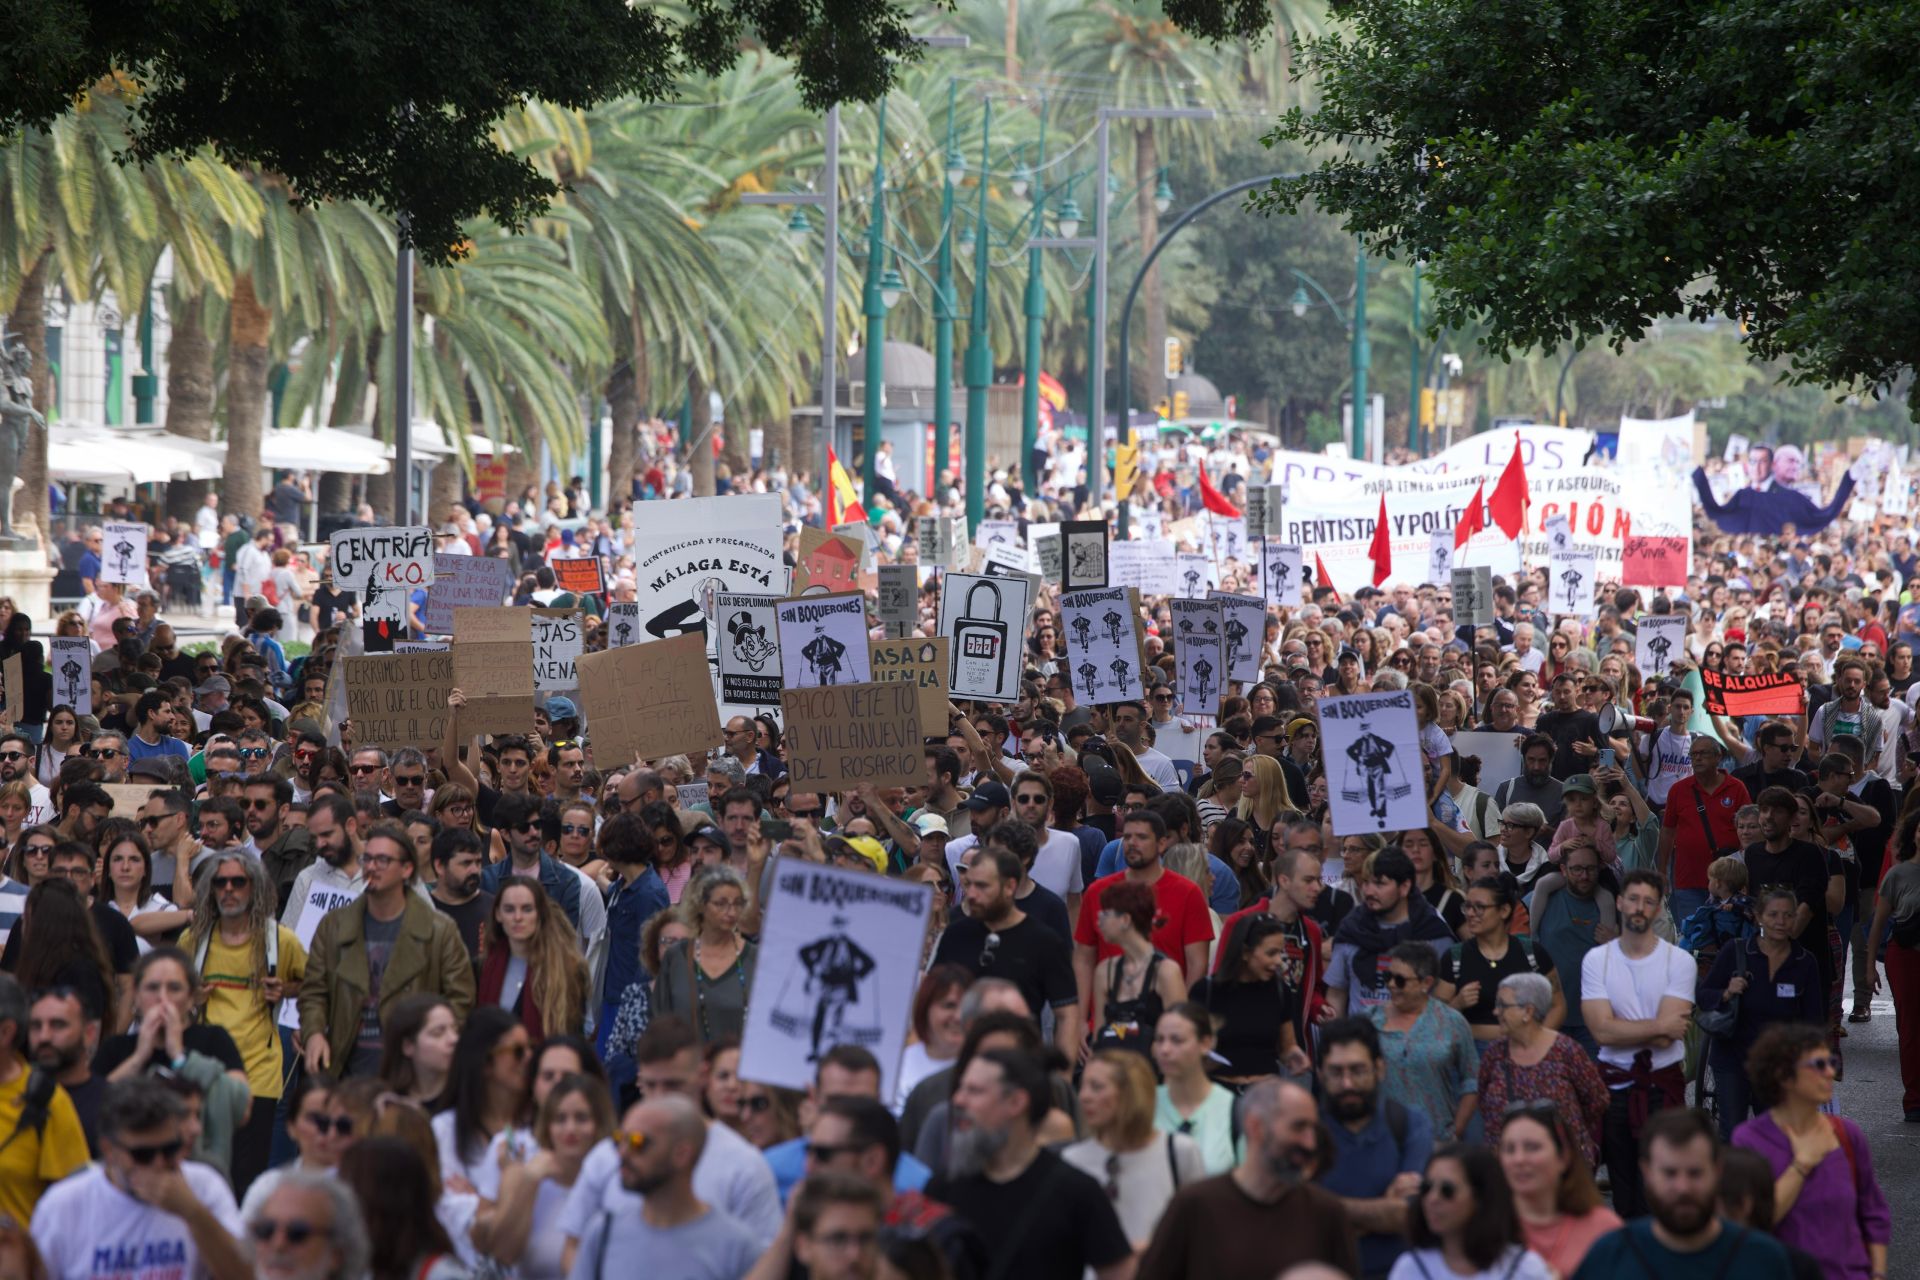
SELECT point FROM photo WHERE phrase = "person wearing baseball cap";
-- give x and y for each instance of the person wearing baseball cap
(986, 808)
(1394, 912)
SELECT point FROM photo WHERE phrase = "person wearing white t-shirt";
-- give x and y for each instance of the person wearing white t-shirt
(1531, 659)
(1670, 758)
(144, 1212)
(1056, 862)
(1636, 994)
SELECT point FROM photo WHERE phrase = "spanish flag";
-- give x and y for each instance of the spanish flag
(843, 500)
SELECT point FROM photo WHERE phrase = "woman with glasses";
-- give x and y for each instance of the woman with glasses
(1775, 979)
(1559, 647)
(1473, 970)
(1188, 1101)
(130, 887)
(519, 1220)
(1265, 803)
(1826, 1199)
(1463, 1224)
(1139, 1167)
(488, 1087)
(706, 980)
(1533, 1062)
(533, 966)
(31, 859)
(1263, 701)
(417, 1047)
(1560, 1208)
(452, 806)
(768, 1116)
(575, 848)
(1432, 1064)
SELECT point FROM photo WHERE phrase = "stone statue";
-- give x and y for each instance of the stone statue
(18, 417)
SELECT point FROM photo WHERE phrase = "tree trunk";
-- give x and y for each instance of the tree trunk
(189, 393)
(699, 441)
(250, 323)
(1013, 40)
(28, 322)
(623, 407)
(1153, 304)
(444, 490)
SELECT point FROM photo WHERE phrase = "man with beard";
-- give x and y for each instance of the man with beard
(1380, 1146)
(1686, 1238)
(62, 1034)
(1395, 912)
(634, 896)
(1039, 1215)
(1183, 929)
(334, 828)
(996, 938)
(679, 1234)
(1265, 1215)
(110, 749)
(285, 849)
(16, 765)
(517, 819)
(1636, 996)
(458, 859)
(1536, 783)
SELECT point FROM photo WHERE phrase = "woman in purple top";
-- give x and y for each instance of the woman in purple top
(1826, 1199)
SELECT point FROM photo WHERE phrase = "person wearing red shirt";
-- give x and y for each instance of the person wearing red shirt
(1698, 825)
(1296, 887)
(1182, 928)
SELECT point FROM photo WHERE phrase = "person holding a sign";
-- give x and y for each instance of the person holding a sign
(706, 979)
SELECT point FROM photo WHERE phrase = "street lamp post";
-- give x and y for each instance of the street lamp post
(979, 351)
(944, 309)
(874, 304)
(1362, 352)
(1415, 436)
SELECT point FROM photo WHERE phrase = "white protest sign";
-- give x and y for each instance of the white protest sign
(994, 533)
(1243, 630)
(1658, 639)
(838, 964)
(557, 645)
(1572, 578)
(1103, 646)
(1473, 596)
(1199, 629)
(823, 640)
(321, 898)
(1047, 552)
(985, 618)
(748, 646)
(72, 660)
(1196, 575)
(688, 550)
(1370, 747)
(1229, 537)
(1440, 560)
(1499, 755)
(1146, 565)
(403, 558)
(1282, 572)
(1559, 535)
(1084, 564)
(623, 624)
(123, 553)
(691, 795)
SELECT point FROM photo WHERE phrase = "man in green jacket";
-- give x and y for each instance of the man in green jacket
(386, 944)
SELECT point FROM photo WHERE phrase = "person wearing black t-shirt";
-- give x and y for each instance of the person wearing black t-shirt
(996, 939)
(1039, 1215)
(1566, 723)
(73, 865)
(1772, 764)
(1470, 974)
(458, 859)
(1253, 1008)
(1800, 865)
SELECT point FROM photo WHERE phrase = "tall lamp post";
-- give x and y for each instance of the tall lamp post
(979, 350)
(875, 303)
(1356, 322)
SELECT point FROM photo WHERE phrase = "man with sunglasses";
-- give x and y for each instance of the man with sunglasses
(517, 819)
(995, 938)
(145, 1209)
(407, 776)
(309, 1227)
(16, 765)
(110, 749)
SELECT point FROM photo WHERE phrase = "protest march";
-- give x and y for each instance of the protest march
(1287, 865)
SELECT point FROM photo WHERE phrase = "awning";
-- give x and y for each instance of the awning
(91, 453)
(323, 449)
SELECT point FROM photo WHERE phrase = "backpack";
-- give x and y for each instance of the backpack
(1524, 943)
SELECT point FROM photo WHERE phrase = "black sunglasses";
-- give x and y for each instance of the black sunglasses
(155, 1151)
(297, 1230)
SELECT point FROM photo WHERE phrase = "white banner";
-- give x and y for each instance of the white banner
(687, 550)
(1544, 451)
(1370, 747)
(1145, 565)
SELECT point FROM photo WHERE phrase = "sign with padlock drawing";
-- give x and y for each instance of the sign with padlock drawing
(985, 619)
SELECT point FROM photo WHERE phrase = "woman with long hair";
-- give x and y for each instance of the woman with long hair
(1138, 1166)
(533, 965)
(1253, 1010)
(1131, 990)
(720, 1099)
(30, 856)
(706, 979)
(487, 1087)
(1264, 801)
(1433, 877)
(1560, 1209)
(1188, 1101)
(130, 887)
(62, 741)
(1463, 1223)
(317, 1144)
(60, 946)
(519, 1222)
(937, 1033)
(1232, 841)
(399, 1198)
(769, 1115)
(16, 803)
(1488, 952)
(416, 1056)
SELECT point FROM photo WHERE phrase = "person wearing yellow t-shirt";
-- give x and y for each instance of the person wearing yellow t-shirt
(233, 910)
(36, 1151)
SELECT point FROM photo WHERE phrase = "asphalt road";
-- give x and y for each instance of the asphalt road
(1870, 1097)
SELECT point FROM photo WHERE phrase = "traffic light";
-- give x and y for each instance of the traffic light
(1179, 404)
(1176, 358)
(1427, 398)
(1126, 470)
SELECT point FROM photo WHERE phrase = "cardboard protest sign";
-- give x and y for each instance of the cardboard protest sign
(1758, 694)
(899, 598)
(72, 660)
(1103, 647)
(399, 699)
(464, 582)
(995, 533)
(935, 535)
(647, 701)
(123, 553)
(129, 798)
(1572, 582)
(748, 647)
(691, 795)
(861, 532)
(1473, 596)
(1197, 575)
(1282, 572)
(922, 663)
(623, 624)
(402, 556)
(823, 640)
(847, 735)
(1083, 555)
(1199, 629)
(1370, 749)
(557, 645)
(1653, 561)
(985, 618)
(1146, 565)
(1658, 639)
(1243, 627)
(1499, 755)
(686, 551)
(13, 678)
(826, 562)
(493, 668)
(582, 575)
(838, 964)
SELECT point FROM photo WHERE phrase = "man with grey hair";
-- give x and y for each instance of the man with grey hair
(1265, 1215)
(723, 775)
(308, 1228)
(144, 1208)
(408, 774)
(367, 772)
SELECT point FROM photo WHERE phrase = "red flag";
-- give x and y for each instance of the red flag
(1473, 520)
(1508, 506)
(1320, 568)
(1381, 550)
(1213, 499)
